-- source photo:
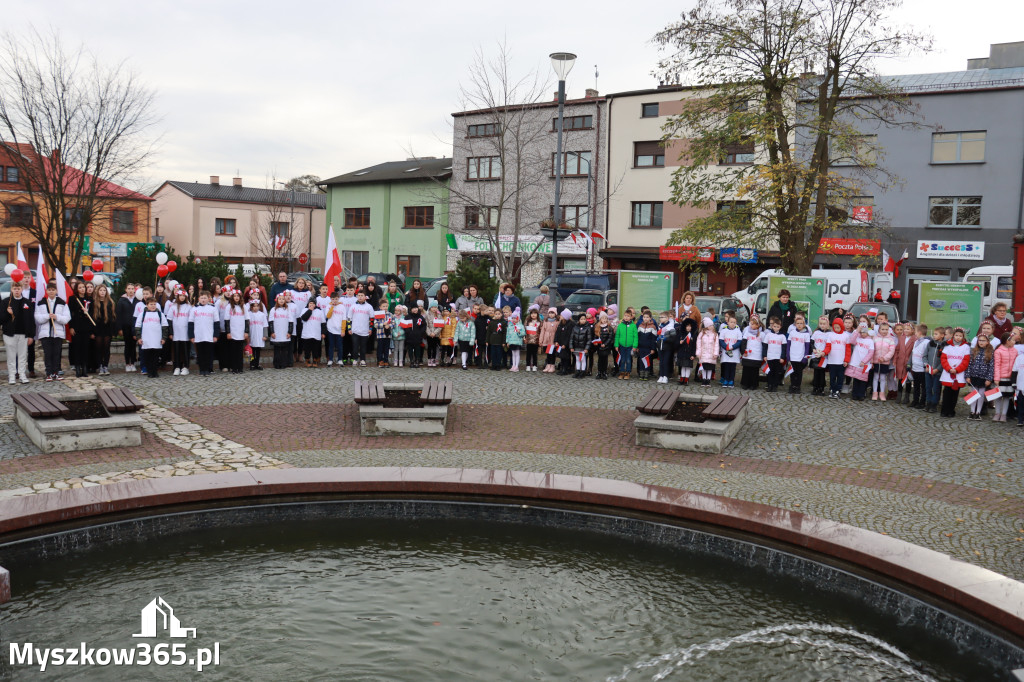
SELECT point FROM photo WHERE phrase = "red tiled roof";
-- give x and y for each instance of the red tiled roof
(75, 179)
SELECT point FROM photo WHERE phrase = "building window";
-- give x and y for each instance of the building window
(478, 217)
(409, 266)
(12, 174)
(967, 147)
(482, 130)
(356, 262)
(419, 216)
(224, 227)
(576, 216)
(483, 167)
(19, 215)
(73, 220)
(122, 221)
(647, 213)
(649, 110)
(573, 123)
(740, 210)
(357, 217)
(862, 152)
(740, 153)
(954, 211)
(648, 155)
(279, 228)
(573, 164)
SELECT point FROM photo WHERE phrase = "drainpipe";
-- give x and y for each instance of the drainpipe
(1018, 252)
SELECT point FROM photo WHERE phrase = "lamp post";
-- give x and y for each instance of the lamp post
(562, 63)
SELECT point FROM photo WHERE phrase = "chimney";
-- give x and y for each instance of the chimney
(591, 93)
(55, 155)
(237, 182)
(214, 179)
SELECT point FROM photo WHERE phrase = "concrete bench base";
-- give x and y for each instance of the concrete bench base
(57, 434)
(428, 420)
(711, 436)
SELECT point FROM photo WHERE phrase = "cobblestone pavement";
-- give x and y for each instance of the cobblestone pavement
(951, 485)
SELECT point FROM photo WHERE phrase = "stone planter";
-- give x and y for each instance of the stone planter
(56, 434)
(710, 436)
(428, 420)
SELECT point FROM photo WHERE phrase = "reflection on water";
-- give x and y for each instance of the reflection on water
(446, 600)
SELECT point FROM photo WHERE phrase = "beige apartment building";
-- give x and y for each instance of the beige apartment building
(243, 224)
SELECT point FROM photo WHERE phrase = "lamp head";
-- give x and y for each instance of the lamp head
(562, 63)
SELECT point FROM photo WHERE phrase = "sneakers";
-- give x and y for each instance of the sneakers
(49, 377)
(11, 381)
(662, 380)
(184, 371)
(362, 363)
(834, 394)
(330, 363)
(177, 372)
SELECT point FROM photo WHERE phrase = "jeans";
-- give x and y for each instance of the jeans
(383, 348)
(728, 372)
(932, 388)
(334, 348)
(151, 359)
(359, 347)
(626, 359)
(836, 377)
(497, 356)
(665, 362)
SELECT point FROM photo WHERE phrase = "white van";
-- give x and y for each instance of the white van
(997, 281)
(843, 288)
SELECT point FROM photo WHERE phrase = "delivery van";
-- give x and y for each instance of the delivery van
(997, 281)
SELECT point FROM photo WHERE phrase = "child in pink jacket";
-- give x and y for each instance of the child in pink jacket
(885, 349)
(1005, 356)
(707, 351)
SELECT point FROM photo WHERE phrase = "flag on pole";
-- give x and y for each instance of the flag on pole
(972, 397)
(21, 260)
(888, 262)
(824, 361)
(550, 349)
(646, 361)
(993, 394)
(42, 276)
(594, 234)
(766, 368)
(62, 286)
(590, 242)
(788, 371)
(332, 262)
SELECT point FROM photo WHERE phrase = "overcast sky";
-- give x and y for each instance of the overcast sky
(282, 89)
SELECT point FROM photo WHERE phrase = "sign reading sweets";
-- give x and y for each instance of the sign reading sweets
(806, 293)
(950, 304)
(850, 247)
(642, 288)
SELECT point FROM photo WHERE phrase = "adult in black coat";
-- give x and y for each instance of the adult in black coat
(784, 310)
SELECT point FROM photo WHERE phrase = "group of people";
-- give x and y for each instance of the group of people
(343, 324)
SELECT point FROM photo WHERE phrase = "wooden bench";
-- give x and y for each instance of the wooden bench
(369, 392)
(40, 405)
(658, 401)
(118, 400)
(436, 393)
(725, 408)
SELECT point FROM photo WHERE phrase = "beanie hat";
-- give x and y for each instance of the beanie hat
(591, 312)
(566, 314)
(553, 309)
(708, 322)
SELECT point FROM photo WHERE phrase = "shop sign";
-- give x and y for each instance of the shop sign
(862, 214)
(704, 254)
(948, 250)
(110, 249)
(850, 247)
(734, 255)
(526, 244)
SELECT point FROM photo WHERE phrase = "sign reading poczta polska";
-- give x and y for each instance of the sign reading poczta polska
(158, 620)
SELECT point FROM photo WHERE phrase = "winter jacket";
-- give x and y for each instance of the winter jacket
(980, 368)
(885, 349)
(1000, 328)
(582, 335)
(686, 335)
(786, 317)
(901, 359)
(466, 331)
(125, 312)
(82, 321)
(415, 335)
(626, 335)
(515, 333)
(861, 357)
(382, 327)
(707, 348)
(47, 328)
(448, 330)
(481, 322)
(647, 338)
(496, 332)
(606, 335)
(667, 336)
(432, 331)
(397, 331)
(563, 334)
(1004, 359)
(532, 336)
(21, 319)
(547, 332)
(955, 359)
(933, 356)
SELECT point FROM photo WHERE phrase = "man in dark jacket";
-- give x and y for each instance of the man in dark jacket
(17, 317)
(280, 286)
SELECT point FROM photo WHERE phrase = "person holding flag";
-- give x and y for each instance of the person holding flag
(52, 315)
(548, 328)
(980, 375)
(956, 356)
(17, 317)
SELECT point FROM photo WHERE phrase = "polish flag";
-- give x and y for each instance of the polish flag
(590, 242)
(646, 361)
(766, 368)
(552, 348)
(22, 261)
(972, 397)
(62, 286)
(42, 276)
(992, 394)
(594, 234)
(823, 362)
(332, 264)
(788, 371)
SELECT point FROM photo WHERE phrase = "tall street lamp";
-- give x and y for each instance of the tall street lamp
(562, 63)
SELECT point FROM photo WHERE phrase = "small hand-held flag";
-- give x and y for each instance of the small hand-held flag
(646, 360)
(972, 397)
(766, 368)
(993, 394)
(788, 371)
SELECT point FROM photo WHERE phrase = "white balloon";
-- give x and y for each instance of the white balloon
(10, 267)
(161, 258)
(97, 279)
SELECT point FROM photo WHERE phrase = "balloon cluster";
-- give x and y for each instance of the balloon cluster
(14, 272)
(164, 267)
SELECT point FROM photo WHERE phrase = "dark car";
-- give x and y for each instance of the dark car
(570, 282)
(311, 277)
(722, 304)
(579, 301)
(858, 309)
(382, 279)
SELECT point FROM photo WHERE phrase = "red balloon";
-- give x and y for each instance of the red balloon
(87, 275)
(17, 275)
(171, 266)
(161, 271)
(97, 264)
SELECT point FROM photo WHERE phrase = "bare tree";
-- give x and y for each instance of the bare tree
(786, 91)
(76, 130)
(273, 238)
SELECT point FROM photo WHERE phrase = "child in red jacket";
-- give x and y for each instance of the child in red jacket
(956, 355)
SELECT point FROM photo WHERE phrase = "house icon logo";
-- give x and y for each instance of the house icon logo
(158, 615)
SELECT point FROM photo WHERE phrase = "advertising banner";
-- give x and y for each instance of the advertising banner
(737, 255)
(950, 304)
(807, 293)
(642, 288)
(951, 250)
(695, 253)
(850, 247)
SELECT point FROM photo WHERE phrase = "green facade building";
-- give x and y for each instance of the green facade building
(392, 217)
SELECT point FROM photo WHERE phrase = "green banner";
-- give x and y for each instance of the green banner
(642, 288)
(950, 304)
(806, 293)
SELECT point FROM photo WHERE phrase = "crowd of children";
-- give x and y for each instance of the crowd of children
(908, 363)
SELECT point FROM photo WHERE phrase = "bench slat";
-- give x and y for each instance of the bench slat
(642, 407)
(111, 400)
(668, 402)
(41, 405)
(726, 408)
(449, 389)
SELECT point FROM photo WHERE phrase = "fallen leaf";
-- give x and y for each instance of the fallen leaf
(959, 520)
(949, 535)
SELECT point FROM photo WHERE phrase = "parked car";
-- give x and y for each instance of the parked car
(556, 299)
(382, 279)
(5, 289)
(312, 277)
(858, 309)
(570, 282)
(721, 304)
(578, 301)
